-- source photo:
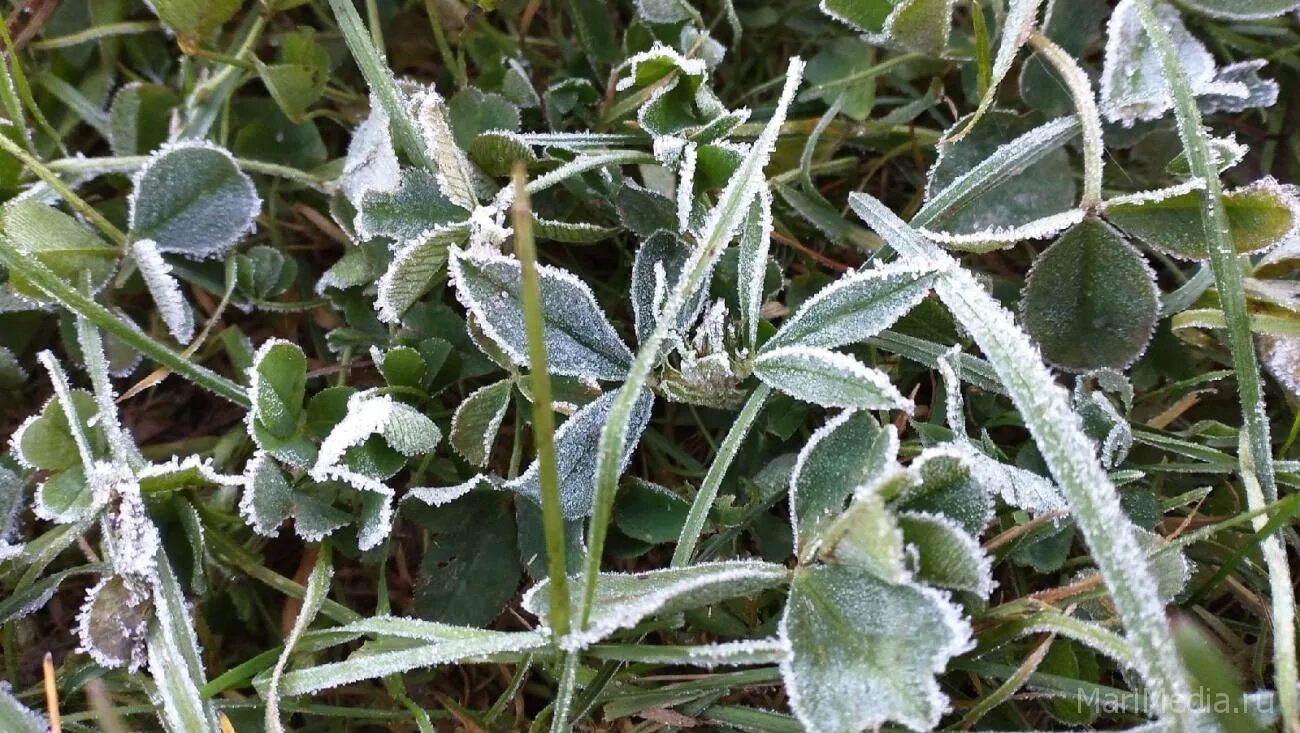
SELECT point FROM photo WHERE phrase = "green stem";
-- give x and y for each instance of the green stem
(444, 49)
(543, 416)
(1257, 453)
(97, 33)
(72, 299)
(373, 67)
(67, 194)
(704, 498)
(1085, 103)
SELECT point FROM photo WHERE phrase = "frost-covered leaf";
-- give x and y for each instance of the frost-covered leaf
(267, 499)
(751, 264)
(1242, 9)
(405, 429)
(363, 665)
(644, 211)
(580, 341)
(945, 483)
(828, 378)
(165, 289)
(1133, 87)
(138, 117)
(576, 456)
(1090, 300)
(12, 372)
(12, 501)
(57, 241)
(473, 112)
(846, 452)
(408, 212)
(864, 652)
(455, 175)
(854, 308)
(867, 536)
(277, 384)
(921, 26)
(46, 441)
(944, 554)
(1239, 87)
(623, 600)
(191, 198)
(998, 212)
(1260, 216)
(174, 658)
(571, 232)
(656, 271)
(476, 421)
(16, 717)
(66, 497)
(665, 11)
(1017, 486)
(371, 163)
(415, 270)
(112, 623)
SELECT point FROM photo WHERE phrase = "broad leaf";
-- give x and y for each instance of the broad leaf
(829, 379)
(415, 270)
(477, 419)
(854, 308)
(580, 342)
(921, 26)
(194, 19)
(864, 652)
(277, 384)
(471, 566)
(945, 554)
(1090, 300)
(576, 455)
(46, 441)
(57, 241)
(409, 212)
(624, 600)
(1005, 211)
(1243, 9)
(191, 198)
(850, 450)
(1260, 216)
(165, 289)
(17, 718)
(138, 118)
(656, 271)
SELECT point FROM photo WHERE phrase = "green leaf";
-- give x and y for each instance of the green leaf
(409, 212)
(415, 270)
(477, 419)
(576, 454)
(867, 536)
(471, 566)
(46, 441)
(946, 555)
(580, 341)
(854, 308)
(864, 652)
(1041, 189)
(848, 451)
(57, 241)
(194, 19)
(139, 116)
(623, 600)
(299, 76)
(947, 484)
(191, 198)
(828, 378)
(474, 112)
(1090, 300)
(644, 212)
(650, 512)
(264, 272)
(17, 718)
(277, 386)
(174, 658)
(1260, 216)
(595, 31)
(921, 26)
(497, 152)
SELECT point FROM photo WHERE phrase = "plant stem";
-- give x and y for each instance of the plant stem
(67, 194)
(1085, 103)
(543, 416)
(704, 498)
(1256, 455)
(96, 33)
(81, 304)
